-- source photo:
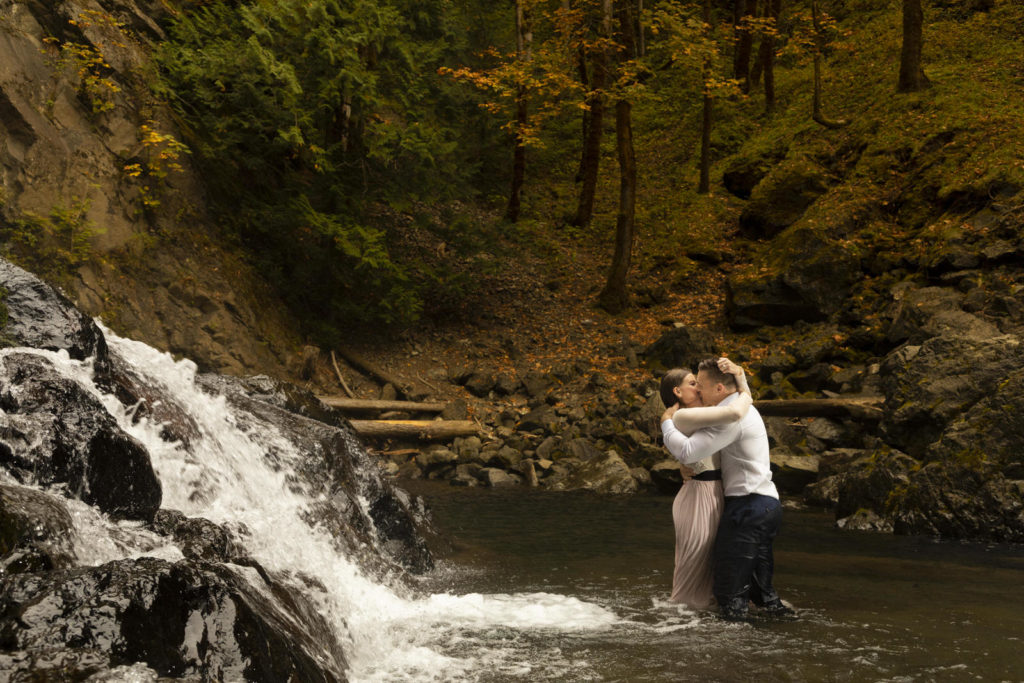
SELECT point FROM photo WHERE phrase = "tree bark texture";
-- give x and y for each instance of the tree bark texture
(744, 42)
(419, 430)
(912, 76)
(704, 185)
(524, 39)
(819, 48)
(615, 298)
(594, 127)
(358, 405)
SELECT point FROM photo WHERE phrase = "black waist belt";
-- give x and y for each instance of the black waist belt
(709, 475)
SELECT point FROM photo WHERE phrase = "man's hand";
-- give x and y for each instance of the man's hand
(669, 412)
(687, 472)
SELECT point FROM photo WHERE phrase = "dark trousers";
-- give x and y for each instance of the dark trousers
(744, 563)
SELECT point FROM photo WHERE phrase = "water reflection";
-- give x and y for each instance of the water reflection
(874, 607)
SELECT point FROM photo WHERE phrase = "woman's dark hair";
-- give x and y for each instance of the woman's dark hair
(672, 379)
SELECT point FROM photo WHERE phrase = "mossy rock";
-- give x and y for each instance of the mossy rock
(782, 197)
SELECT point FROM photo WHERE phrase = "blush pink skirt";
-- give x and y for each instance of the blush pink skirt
(695, 512)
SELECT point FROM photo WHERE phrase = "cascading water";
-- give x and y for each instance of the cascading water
(237, 471)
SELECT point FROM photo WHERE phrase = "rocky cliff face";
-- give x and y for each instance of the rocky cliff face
(82, 181)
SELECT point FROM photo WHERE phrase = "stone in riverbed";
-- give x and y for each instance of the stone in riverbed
(666, 477)
(35, 531)
(183, 620)
(41, 317)
(55, 432)
(791, 473)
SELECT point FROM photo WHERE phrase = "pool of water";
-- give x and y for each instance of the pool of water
(873, 607)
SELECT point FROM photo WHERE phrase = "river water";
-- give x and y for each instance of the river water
(560, 586)
(873, 607)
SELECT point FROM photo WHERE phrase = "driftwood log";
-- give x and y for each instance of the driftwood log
(860, 408)
(359, 405)
(419, 430)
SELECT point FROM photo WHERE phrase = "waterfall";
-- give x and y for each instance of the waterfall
(237, 471)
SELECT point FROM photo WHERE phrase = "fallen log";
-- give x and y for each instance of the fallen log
(360, 405)
(420, 430)
(371, 369)
(860, 408)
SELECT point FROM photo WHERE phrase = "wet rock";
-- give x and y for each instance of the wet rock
(824, 492)
(496, 477)
(791, 473)
(958, 500)
(865, 520)
(52, 431)
(35, 531)
(198, 538)
(468, 449)
(506, 458)
(435, 458)
(335, 471)
(666, 477)
(41, 317)
(182, 620)
(870, 482)
(600, 472)
(642, 476)
(680, 347)
(928, 388)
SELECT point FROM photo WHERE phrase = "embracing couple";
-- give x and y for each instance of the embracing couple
(727, 513)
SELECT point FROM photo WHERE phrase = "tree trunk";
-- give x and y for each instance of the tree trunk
(773, 10)
(705, 129)
(419, 430)
(819, 48)
(591, 157)
(358, 405)
(615, 298)
(912, 76)
(744, 42)
(524, 39)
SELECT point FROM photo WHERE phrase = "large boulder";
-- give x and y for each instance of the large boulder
(781, 198)
(930, 386)
(35, 531)
(53, 431)
(680, 347)
(39, 316)
(960, 500)
(183, 620)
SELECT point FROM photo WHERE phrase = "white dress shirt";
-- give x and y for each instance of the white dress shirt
(743, 448)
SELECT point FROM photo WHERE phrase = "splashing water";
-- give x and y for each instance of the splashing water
(388, 631)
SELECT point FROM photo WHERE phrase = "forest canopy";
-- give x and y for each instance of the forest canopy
(325, 128)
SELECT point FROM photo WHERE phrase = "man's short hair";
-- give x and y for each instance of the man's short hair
(672, 379)
(709, 366)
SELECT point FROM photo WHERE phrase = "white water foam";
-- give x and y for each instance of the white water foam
(388, 634)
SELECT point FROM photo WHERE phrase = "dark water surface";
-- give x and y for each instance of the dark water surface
(874, 607)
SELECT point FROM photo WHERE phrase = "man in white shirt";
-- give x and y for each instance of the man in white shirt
(744, 563)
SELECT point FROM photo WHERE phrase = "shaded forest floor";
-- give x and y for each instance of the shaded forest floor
(537, 312)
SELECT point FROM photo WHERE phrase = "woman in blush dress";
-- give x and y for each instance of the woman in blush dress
(698, 505)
